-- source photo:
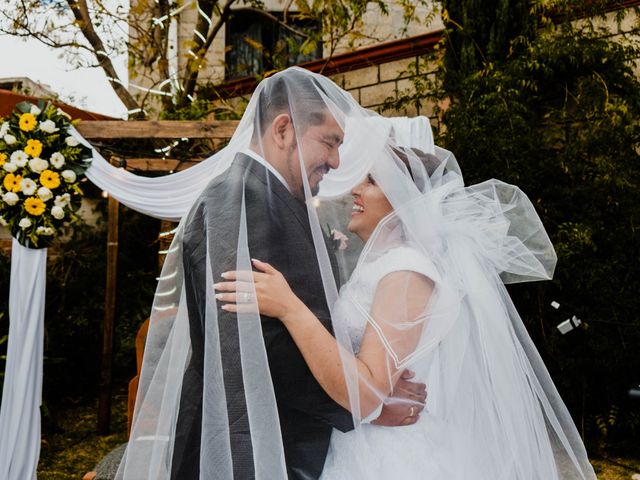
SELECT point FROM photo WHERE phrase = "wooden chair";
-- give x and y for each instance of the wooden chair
(141, 337)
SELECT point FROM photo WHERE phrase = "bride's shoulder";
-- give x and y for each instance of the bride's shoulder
(405, 258)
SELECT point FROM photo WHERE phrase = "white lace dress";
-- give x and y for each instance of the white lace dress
(422, 450)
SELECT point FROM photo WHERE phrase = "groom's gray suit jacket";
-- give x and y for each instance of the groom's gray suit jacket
(278, 233)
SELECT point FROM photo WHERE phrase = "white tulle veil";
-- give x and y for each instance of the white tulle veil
(484, 375)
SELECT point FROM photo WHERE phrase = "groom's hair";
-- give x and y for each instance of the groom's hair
(294, 92)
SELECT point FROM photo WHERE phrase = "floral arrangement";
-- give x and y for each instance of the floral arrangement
(41, 165)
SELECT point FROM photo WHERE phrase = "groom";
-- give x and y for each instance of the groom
(268, 180)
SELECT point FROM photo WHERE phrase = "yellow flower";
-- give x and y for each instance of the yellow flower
(27, 122)
(3, 158)
(34, 206)
(50, 179)
(33, 148)
(12, 183)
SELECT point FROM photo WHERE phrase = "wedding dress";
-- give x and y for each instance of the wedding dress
(402, 452)
(492, 411)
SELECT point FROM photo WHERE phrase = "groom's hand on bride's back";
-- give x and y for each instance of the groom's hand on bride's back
(404, 405)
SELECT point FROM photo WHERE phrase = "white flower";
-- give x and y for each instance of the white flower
(69, 176)
(20, 158)
(44, 230)
(45, 194)
(35, 110)
(57, 212)
(28, 186)
(9, 139)
(48, 126)
(62, 200)
(57, 160)
(3, 222)
(38, 165)
(71, 141)
(10, 198)
(24, 223)
(10, 167)
(4, 129)
(63, 113)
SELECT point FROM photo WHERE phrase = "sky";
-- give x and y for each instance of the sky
(85, 88)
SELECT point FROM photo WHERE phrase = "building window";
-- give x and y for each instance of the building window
(256, 43)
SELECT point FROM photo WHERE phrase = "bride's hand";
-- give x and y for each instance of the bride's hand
(272, 292)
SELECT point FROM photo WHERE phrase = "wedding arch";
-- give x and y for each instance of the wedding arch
(166, 198)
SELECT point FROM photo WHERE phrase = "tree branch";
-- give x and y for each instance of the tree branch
(81, 14)
(192, 68)
(270, 16)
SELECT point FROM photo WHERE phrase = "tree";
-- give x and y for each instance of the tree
(481, 32)
(90, 33)
(552, 105)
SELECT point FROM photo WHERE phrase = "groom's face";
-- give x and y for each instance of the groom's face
(317, 150)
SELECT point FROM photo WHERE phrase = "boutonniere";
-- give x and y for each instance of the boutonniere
(337, 238)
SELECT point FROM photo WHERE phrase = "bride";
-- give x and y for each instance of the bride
(428, 294)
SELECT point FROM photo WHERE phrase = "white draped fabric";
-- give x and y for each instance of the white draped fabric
(22, 393)
(163, 197)
(167, 198)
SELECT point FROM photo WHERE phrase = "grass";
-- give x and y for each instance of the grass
(616, 468)
(74, 448)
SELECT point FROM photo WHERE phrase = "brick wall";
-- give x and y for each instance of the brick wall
(371, 86)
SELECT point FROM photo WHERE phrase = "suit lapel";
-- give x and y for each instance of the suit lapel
(297, 208)
(275, 186)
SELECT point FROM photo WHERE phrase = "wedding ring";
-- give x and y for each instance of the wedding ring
(412, 411)
(246, 297)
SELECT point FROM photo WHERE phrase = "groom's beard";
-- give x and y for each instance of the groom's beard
(297, 173)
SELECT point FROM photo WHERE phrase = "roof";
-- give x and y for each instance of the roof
(8, 101)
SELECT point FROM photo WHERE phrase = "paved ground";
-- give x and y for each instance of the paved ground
(108, 466)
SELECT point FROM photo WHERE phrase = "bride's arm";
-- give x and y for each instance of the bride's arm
(398, 309)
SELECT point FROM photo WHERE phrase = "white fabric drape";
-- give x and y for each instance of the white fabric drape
(167, 198)
(22, 392)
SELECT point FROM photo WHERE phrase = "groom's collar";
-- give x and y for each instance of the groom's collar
(265, 163)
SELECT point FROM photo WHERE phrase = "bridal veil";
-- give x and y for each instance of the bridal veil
(483, 373)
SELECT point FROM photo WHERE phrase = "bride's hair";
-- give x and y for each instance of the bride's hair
(408, 154)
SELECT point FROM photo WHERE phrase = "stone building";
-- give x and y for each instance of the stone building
(369, 63)
(373, 65)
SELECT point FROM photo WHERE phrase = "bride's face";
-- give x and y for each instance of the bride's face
(370, 205)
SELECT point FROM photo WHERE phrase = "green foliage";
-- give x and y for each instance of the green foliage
(3, 357)
(560, 121)
(196, 110)
(76, 275)
(5, 268)
(481, 32)
(75, 448)
(556, 113)
(75, 303)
